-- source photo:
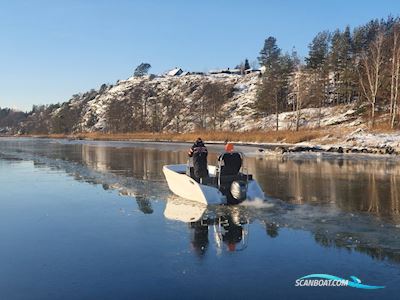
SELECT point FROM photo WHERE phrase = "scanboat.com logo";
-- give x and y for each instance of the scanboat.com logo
(330, 280)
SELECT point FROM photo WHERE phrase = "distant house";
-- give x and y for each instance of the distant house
(248, 71)
(226, 71)
(175, 72)
(220, 71)
(235, 71)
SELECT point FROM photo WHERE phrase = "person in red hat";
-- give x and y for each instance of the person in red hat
(230, 161)
(229, 147)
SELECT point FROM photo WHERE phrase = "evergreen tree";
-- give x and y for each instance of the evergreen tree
(318, 51)
(340, 58)
(142, 69)
(318, 67)
(364, 35)
(246, 64)
(270, 54)
(273, 90)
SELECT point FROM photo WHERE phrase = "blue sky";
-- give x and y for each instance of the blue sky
(50, 50)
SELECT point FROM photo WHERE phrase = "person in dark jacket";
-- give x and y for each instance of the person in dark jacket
(199, 154)
(231, 161)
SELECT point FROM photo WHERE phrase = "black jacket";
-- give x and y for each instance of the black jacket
(199, 153)
(232, 162)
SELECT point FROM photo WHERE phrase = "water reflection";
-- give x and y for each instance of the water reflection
(199, 240)
(226, 225)
(271, 229)
(228, 228)
(233, 233)
(367, 185)
(362, 185)
(343, 203)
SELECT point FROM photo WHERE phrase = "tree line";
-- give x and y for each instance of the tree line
(341, 67)
(10, 118)
(360, 66)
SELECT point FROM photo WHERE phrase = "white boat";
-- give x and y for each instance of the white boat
(216, 189)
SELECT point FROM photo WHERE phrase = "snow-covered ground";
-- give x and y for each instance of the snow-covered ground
(361, 138)
(239, 111)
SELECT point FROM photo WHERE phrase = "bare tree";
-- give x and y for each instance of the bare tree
(371, 74)
(395, 70)
(300, 86)
(214, 98)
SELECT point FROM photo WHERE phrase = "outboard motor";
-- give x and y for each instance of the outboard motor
(239, 190)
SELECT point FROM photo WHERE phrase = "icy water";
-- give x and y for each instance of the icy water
(95, 220)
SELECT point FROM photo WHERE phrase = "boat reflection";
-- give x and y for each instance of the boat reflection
(232, 231)
(179, 209)
(227, 225)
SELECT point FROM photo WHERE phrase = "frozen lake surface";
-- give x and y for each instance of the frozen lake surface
(95, 220)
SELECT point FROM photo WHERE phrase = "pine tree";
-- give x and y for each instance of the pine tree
(142, 69)
(273, 90)
(340, 58)
(267, 94)
(318, 66)
(318, 51)
(349, 72)
(269, 54)
(246, 64)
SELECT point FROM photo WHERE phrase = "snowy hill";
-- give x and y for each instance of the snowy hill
(164, 103)
(173, 98)
(175, 104)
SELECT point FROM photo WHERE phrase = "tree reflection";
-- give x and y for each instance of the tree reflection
(271, 229)
(352, 185)
(144, 204)
(348, 242)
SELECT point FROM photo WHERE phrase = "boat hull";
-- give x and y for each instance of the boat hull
(186, 187)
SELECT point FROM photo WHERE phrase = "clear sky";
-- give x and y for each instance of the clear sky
(52, 49)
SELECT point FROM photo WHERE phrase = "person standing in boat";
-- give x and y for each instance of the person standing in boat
(198, 152)
(230, 161)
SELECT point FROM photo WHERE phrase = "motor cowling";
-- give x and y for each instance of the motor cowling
(239, 190)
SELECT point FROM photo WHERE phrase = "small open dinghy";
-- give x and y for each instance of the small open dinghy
(215, 189)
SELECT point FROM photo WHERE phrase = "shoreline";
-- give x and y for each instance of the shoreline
(341, 145)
